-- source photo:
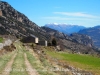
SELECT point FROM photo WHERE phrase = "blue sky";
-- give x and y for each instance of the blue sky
(76, 12)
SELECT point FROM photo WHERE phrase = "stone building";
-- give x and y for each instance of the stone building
(34, 39)
(43, 43)
(31, 39)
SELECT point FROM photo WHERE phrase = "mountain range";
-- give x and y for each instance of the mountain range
(65, 28)
(93, 32)
(12, 22)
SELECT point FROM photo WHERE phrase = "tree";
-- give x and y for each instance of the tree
(54, 42)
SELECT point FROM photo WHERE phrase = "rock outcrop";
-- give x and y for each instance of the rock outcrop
(94, 33)
(82, 39)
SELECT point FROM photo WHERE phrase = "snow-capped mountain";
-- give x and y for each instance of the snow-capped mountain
(65, 28)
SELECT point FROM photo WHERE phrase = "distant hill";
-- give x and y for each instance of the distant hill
(94, 33)
(65, 28)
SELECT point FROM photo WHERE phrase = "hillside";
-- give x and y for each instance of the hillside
(75, 42)
(17, 24)
(65, 28)
(94, 33)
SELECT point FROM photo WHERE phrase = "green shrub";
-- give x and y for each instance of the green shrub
(1, 39)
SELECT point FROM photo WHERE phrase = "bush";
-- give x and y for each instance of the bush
(1, 39)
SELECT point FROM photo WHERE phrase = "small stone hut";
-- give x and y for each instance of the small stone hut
(31, 39)
(43, 43)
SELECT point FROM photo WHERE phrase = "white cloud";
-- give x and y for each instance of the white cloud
(70, 19)
(78, 18)
(76, 14)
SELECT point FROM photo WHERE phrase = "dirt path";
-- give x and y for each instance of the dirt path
(8, 67)
(30, 70)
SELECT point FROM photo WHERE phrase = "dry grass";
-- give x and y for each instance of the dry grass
(4, 60)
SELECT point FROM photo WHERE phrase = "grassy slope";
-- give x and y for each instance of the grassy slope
(85, 62)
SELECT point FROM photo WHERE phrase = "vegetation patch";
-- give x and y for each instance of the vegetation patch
(1, 39)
